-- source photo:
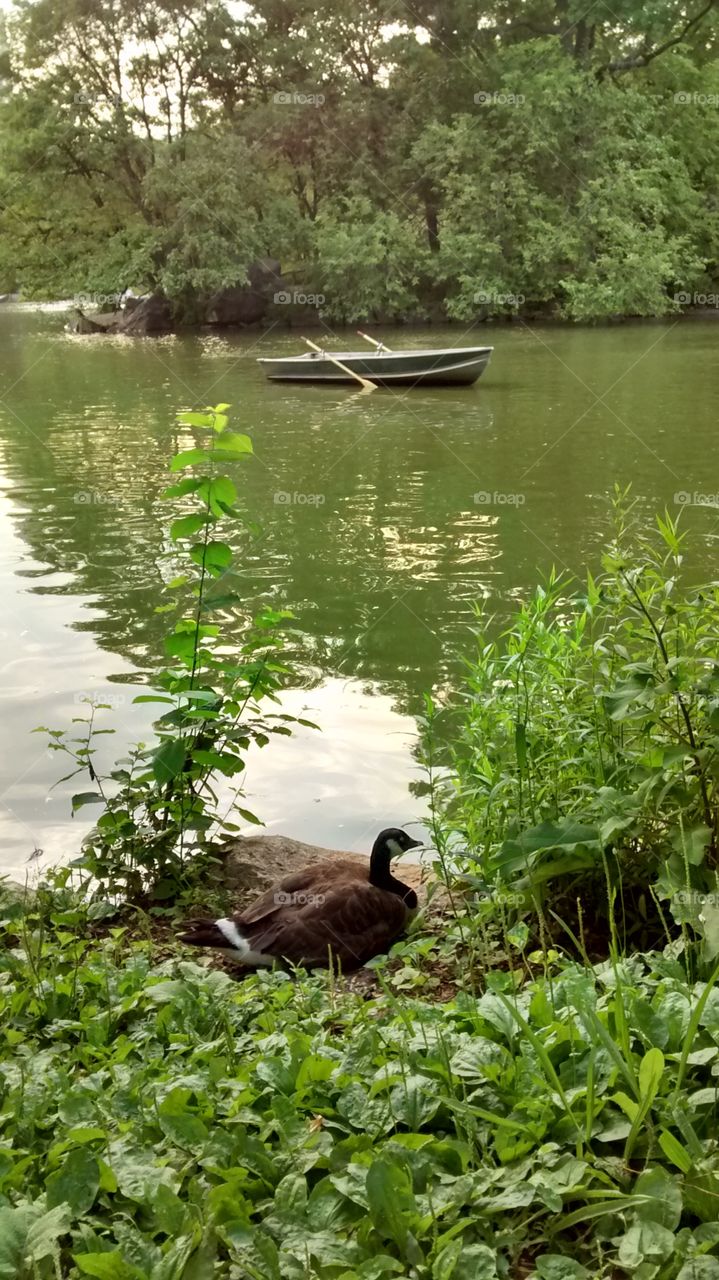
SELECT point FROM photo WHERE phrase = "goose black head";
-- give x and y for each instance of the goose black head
(390, 843)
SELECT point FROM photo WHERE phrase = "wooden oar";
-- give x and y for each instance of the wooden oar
(379, 345)
(365, 385)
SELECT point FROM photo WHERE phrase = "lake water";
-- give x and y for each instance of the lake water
(384, 517)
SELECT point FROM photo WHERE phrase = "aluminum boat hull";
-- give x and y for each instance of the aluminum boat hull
(459, 366)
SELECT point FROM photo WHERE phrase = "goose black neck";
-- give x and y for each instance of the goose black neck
(380, 874)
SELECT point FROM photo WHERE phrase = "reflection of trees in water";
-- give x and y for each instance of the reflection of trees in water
(381, 601)
(381, 575)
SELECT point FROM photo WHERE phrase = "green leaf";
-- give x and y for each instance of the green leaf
(225, 761)
(28, 1234)
(180, 490)
(626, 694)
(674, 1151)
(445, 1263)
(180, 644)
(248, 816)
(665, 1200)
(554, 1266)
(651, 1070)
(86, 797)
(196, 419)
(231, 444)
(645, 1241)
(76, 1183)
(700, 1269)
(392, 1205)
(186, 527)
(215, 556)
(178, 1122)
(524, 852)
(692, 843)
(223, 490)
(190, 458)
(107, 1266)
(168, 760)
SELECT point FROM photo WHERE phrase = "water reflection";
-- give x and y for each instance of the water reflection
(384, 517)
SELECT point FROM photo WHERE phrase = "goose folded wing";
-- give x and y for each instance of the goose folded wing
(300, 888)
(354, 922)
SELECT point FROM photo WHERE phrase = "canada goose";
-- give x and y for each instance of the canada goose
(331, 913)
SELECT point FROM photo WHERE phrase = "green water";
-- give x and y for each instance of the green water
(376, 541)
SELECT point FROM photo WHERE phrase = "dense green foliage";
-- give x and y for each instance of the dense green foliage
(161, 805)
(161, 1122)
(587, 764)
(454, 160)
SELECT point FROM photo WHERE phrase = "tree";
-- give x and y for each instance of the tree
(432, 160)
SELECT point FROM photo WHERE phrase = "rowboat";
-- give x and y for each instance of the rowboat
(457, 366)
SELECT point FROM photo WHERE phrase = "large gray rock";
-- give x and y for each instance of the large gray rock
(151, 316)
(12, 891)
(247, 304)
(92, 324)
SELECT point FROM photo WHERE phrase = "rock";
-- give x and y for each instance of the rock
(12, 891)
(151, 316)
(247, 304)
(253, 863)
(109, 320)
(92, 324)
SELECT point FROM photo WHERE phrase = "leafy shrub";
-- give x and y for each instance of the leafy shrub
(160, 806)
(589, 740)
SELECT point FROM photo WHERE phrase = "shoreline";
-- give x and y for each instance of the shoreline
(315, 322)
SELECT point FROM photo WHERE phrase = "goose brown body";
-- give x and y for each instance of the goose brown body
(334, 914)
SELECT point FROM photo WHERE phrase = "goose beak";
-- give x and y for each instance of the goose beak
(411, 844)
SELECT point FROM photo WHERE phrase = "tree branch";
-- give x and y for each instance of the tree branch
(643, 59)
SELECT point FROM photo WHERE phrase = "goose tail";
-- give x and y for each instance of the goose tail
(220, 935)
(227, 936)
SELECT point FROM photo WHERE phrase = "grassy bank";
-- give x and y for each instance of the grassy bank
(160, 1120)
